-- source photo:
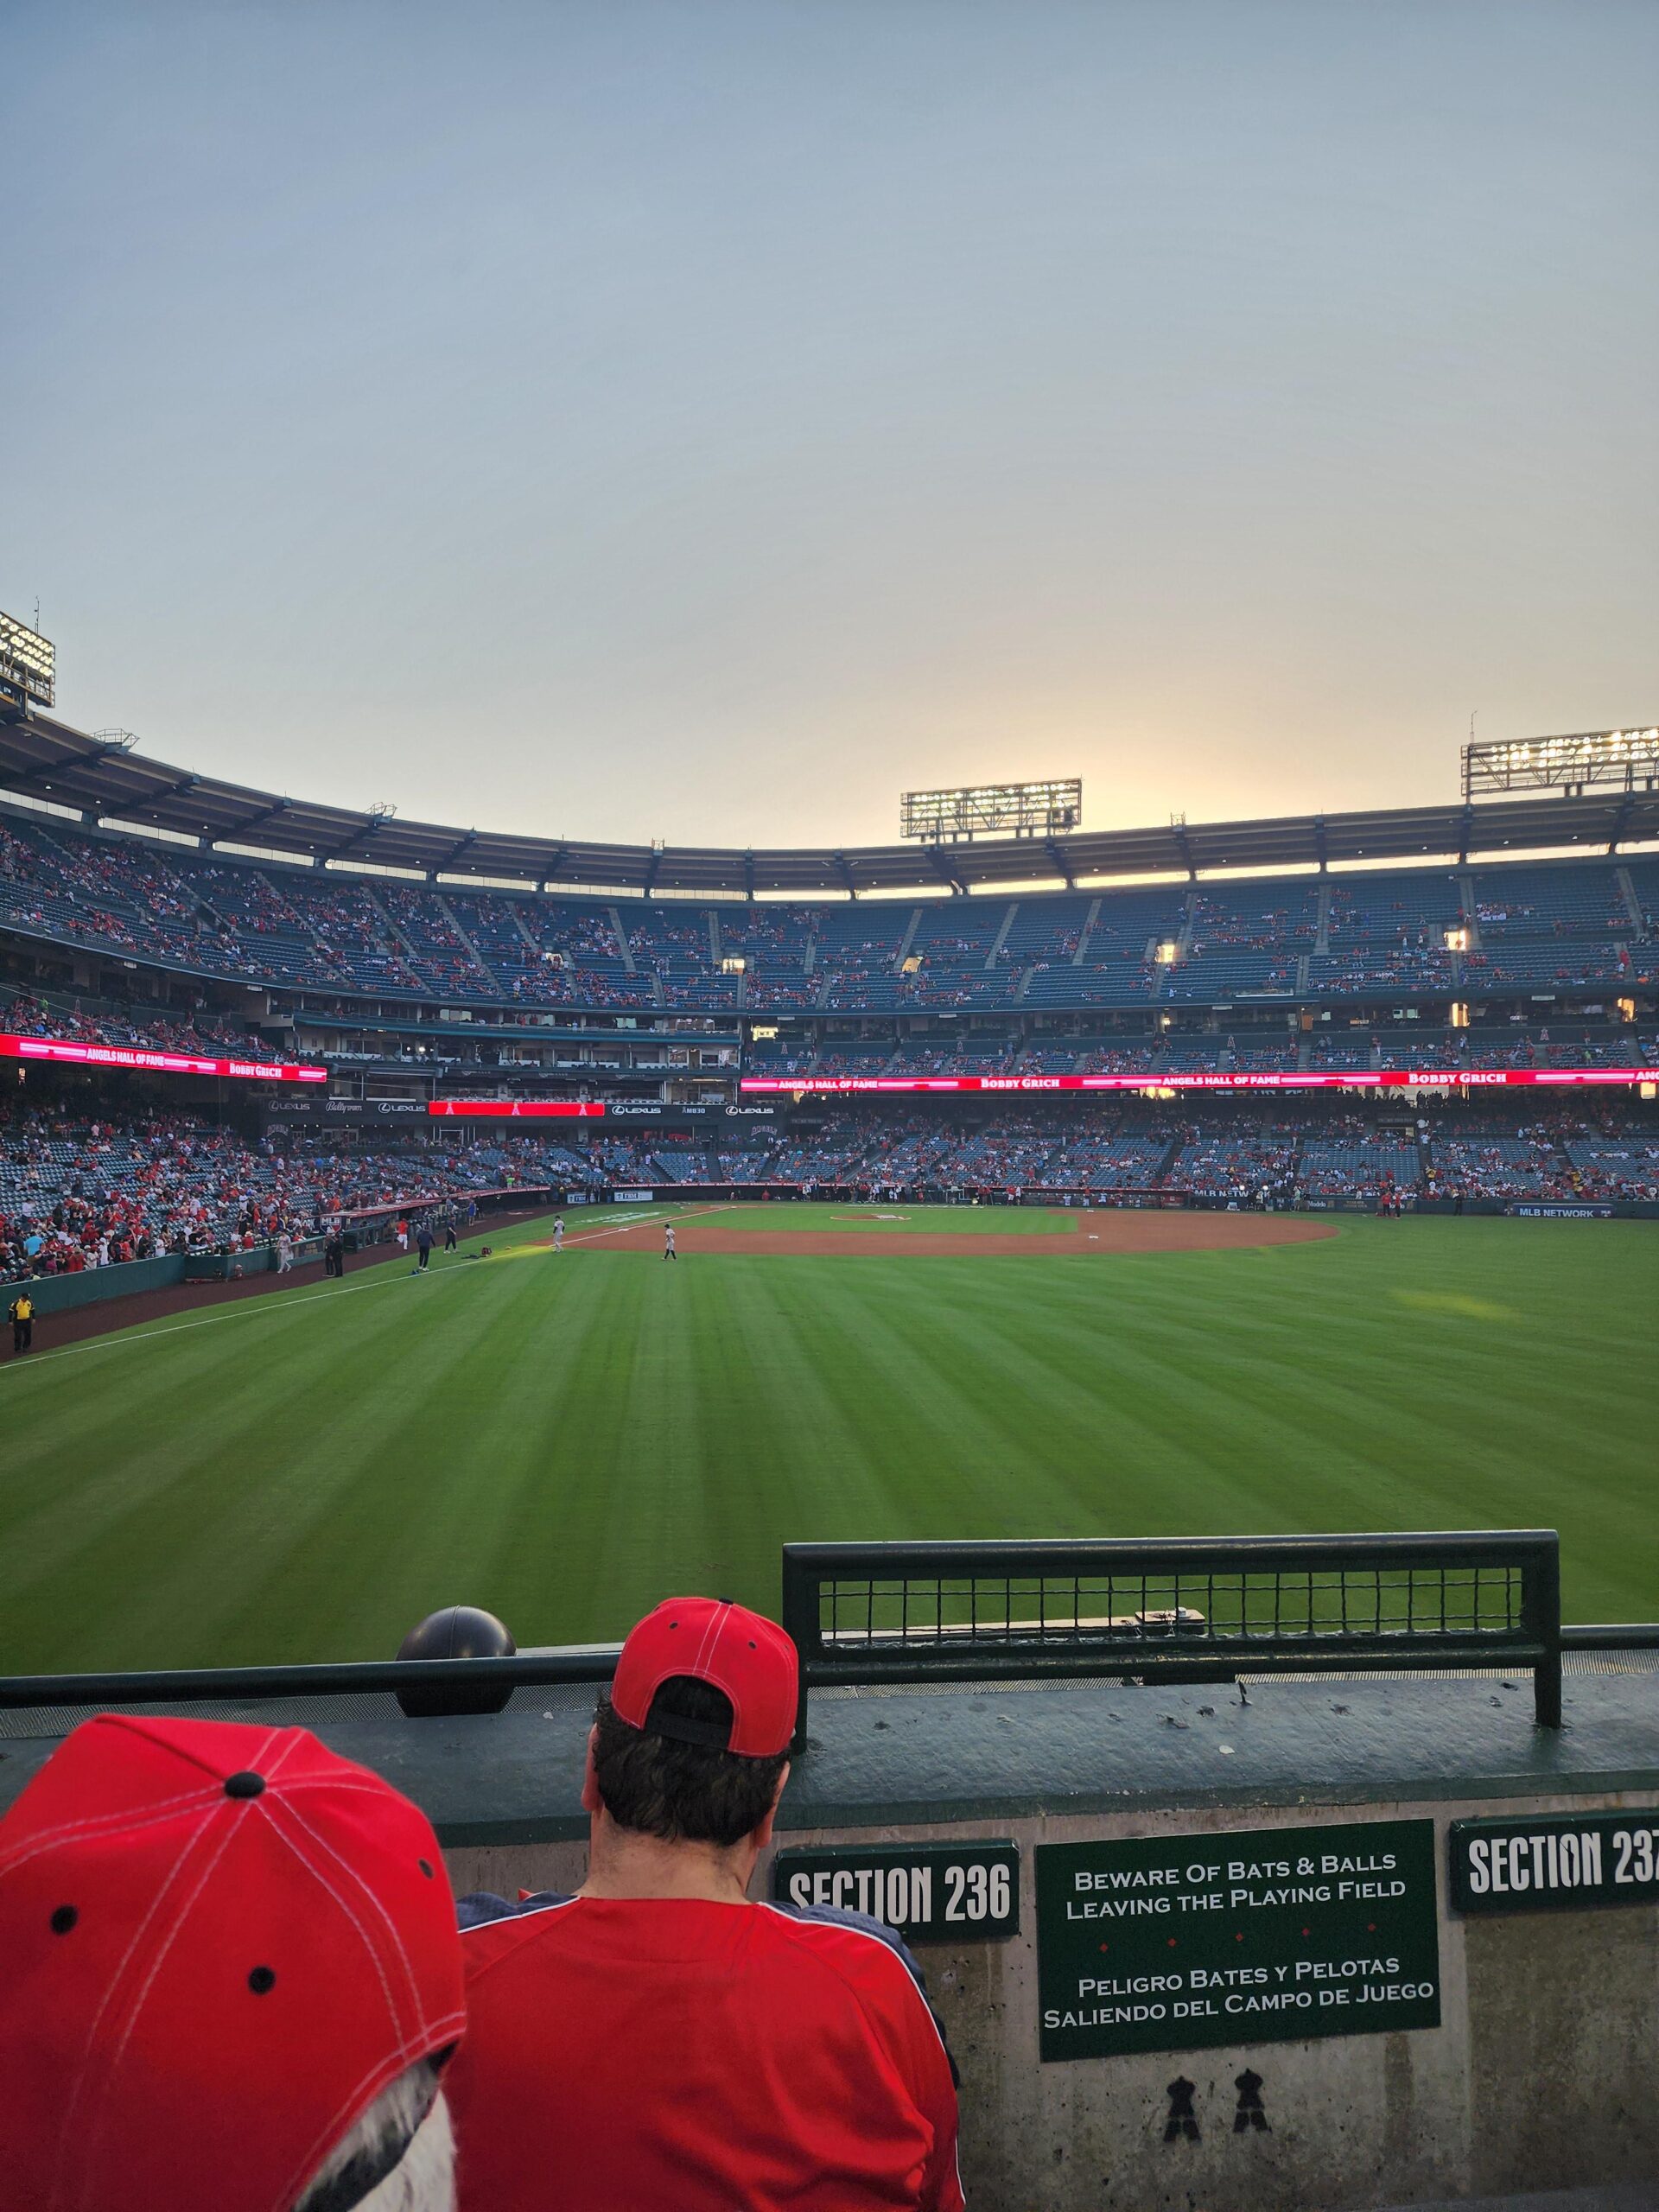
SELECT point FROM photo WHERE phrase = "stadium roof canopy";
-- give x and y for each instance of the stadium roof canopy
(103, 778)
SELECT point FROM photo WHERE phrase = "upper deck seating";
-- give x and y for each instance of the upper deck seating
(1417, 910)
(1255, 917)
(1046, 932)
(1515, 903)
(1536, 929)
(1541, 965)
(1213, 979)
(1389, 970)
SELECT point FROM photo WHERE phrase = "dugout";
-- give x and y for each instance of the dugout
(1013, 1746)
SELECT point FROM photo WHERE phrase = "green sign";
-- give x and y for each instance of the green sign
(1554, 1862)
(1176, 1942)
(929, 1892)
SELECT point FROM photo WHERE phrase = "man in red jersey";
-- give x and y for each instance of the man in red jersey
(658, 2040)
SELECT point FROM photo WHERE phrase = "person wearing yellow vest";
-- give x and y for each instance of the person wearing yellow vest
(23, 1321)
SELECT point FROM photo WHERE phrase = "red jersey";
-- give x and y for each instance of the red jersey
(624, 2055)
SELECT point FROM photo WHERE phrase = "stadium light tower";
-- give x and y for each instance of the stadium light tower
(28, 666)
(1040, 809)
(1628, 759)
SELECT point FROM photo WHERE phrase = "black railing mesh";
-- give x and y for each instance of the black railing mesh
(1001, 1611)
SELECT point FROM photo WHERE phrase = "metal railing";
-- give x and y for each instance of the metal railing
(1190, 1609)
(1194, 1608)
(484, 1683)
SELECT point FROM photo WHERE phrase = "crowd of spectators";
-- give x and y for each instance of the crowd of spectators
(77, 1192)
(1240, 1159)
(80, 1192)
(293, 927)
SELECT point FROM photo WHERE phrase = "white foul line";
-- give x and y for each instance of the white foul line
(238, 1310)
(644, 1221)
(241, 1308)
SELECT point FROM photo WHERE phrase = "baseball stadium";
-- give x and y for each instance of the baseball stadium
(1190, 1182)
(748, 1464)
(1051, 1247)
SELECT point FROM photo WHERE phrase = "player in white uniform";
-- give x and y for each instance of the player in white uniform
(558, 1232)
(669, 1252)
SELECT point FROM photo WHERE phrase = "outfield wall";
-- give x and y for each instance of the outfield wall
(65, 1293)
(1538, 2073)
(1152, 1199)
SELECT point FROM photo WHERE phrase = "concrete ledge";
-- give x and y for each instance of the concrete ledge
(877, 1758)
(1637, 2196)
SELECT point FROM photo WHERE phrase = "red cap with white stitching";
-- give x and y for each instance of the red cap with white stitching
(749, 1657)
(219, 1945)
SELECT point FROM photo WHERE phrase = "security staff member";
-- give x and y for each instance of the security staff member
(23, 1321)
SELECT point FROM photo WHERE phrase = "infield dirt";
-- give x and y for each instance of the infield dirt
(1096, 1235)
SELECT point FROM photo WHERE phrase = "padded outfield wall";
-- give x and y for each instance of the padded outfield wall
(1538, 2075)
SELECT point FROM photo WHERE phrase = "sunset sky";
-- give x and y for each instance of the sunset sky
(706, 420)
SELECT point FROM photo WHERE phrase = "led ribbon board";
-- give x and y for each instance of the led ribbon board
(517, 1110)
(61, 1050)
(1350, 1079)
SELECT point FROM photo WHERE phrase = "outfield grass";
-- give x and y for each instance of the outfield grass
(567, 1439)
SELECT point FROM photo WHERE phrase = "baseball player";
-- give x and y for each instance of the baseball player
(669, 1253)
(558, 1232)
(670, 2042)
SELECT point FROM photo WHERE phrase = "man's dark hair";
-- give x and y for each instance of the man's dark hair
(681, 1792)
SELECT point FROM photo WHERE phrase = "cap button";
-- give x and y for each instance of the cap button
(245, 1784)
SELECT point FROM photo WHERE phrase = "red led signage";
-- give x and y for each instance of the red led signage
(517, 1109)
(1350, 1079)
(66, 1053)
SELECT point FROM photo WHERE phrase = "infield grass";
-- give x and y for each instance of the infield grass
(567, 1439)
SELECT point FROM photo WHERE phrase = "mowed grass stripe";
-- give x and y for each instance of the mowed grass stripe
(568, 1438)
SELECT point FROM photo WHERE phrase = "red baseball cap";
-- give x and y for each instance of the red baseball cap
(219, 1945)
(744, 1654)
